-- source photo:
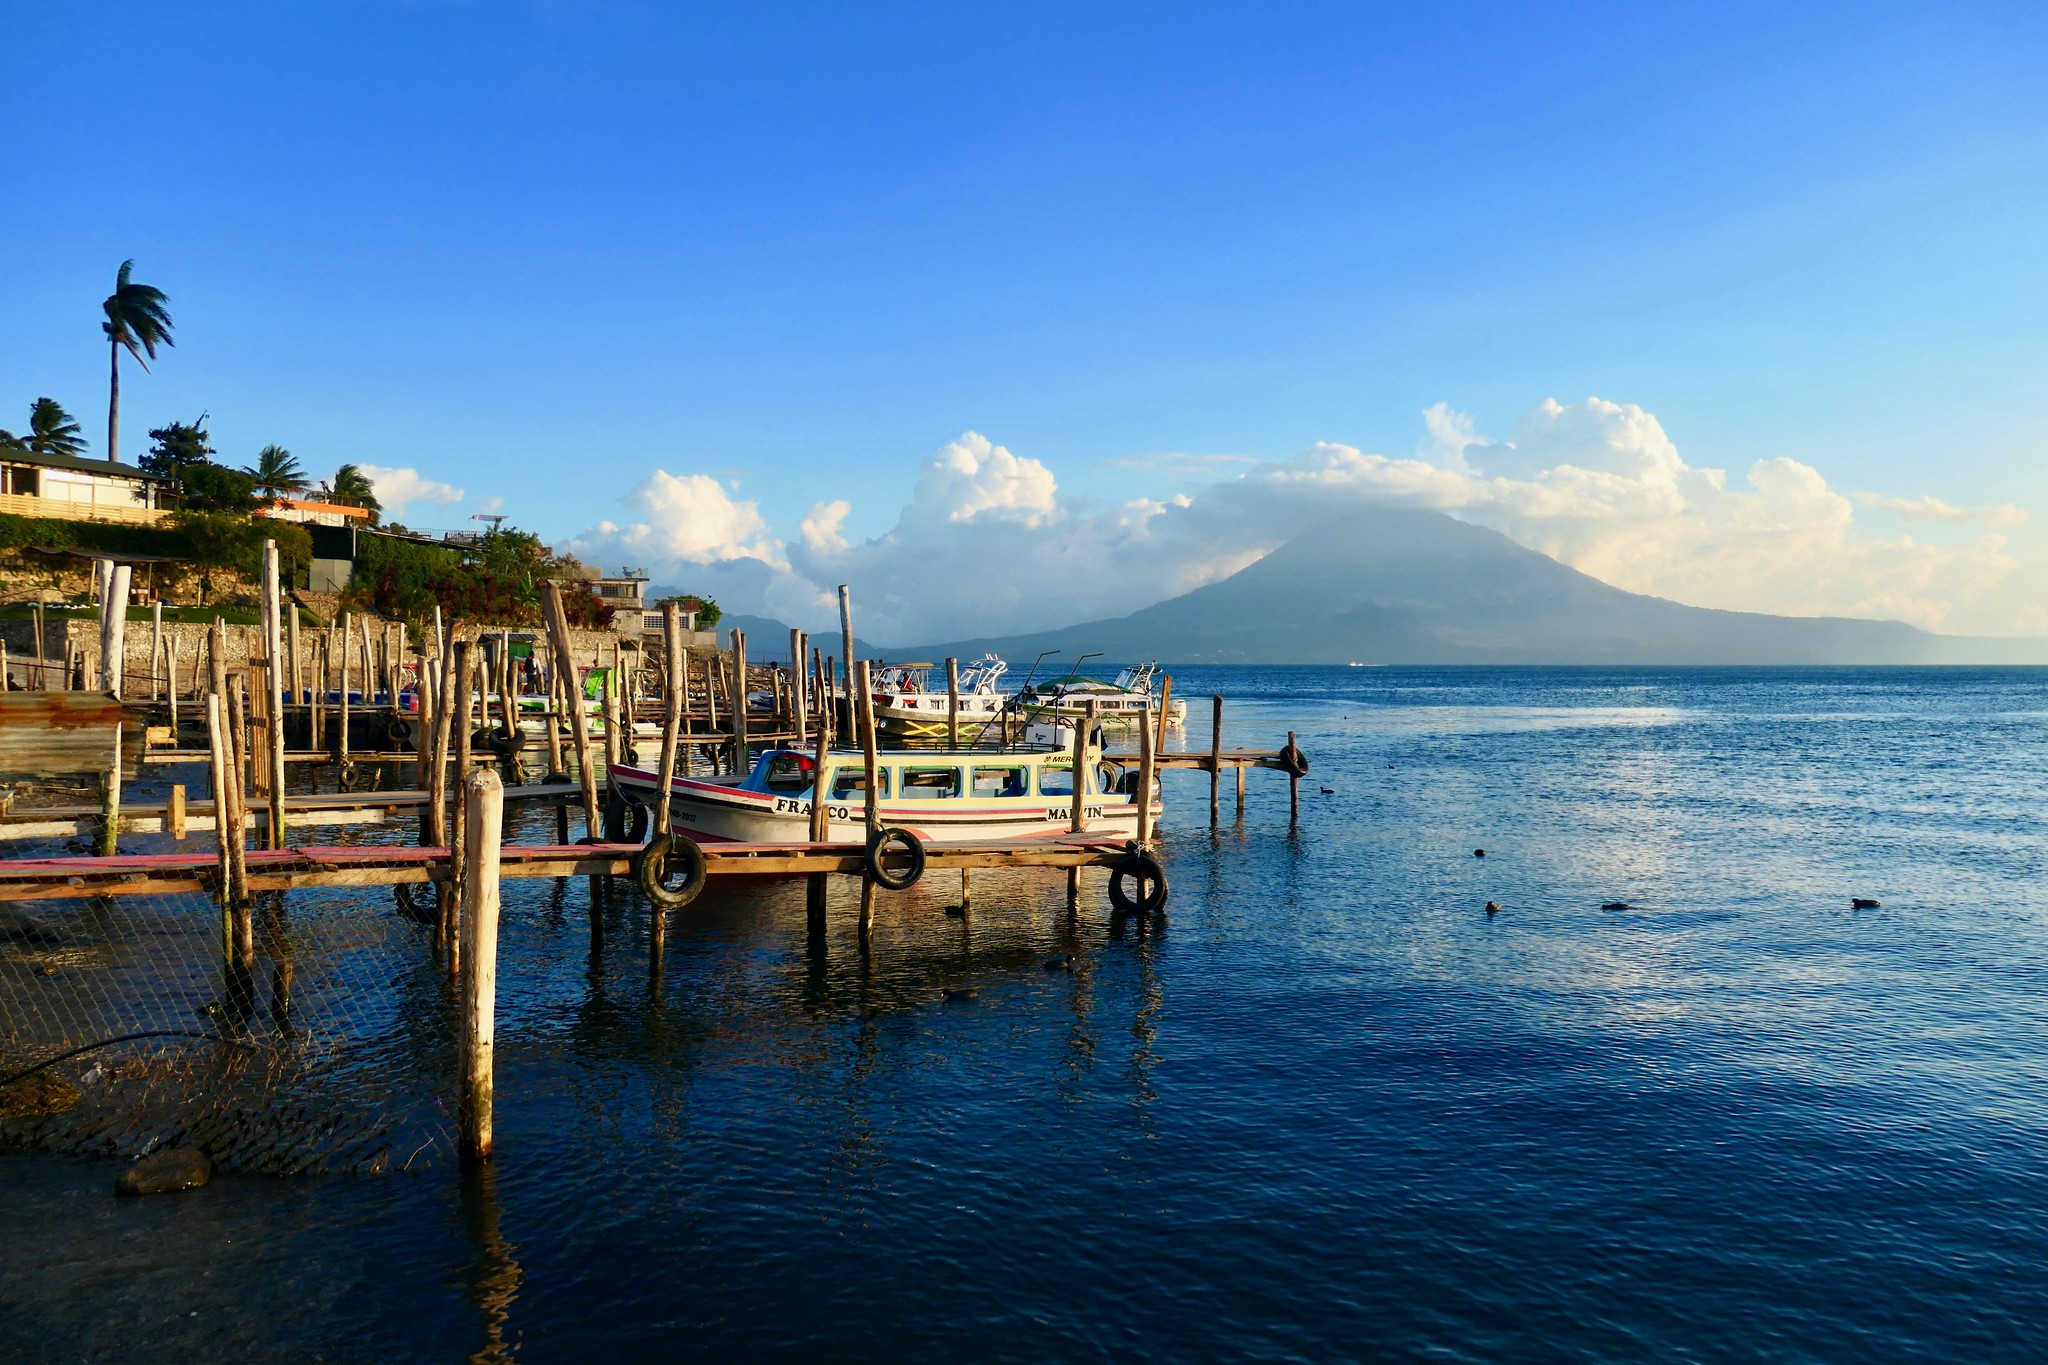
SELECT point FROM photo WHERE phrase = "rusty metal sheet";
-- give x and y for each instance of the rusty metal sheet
(51, 734)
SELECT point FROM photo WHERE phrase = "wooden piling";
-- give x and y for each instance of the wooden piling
(1240, 793)
(1165, 710)
(846, 632)
(815, 884)
(863, 704)
(671, 734)
(1293, 785)
(273, 675)
(460, 831)
(174, 812)
(113, 628)
(296, 676)
(565, 660)
(952, 703)
(1216, 763)
(739, 703)
(341, 746)
(486, 801)
(1079, 819)
(437, 770)
(799, 698)
(1147, 749)
(156, 646)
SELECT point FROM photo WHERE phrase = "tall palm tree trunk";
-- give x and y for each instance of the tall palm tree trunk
(114, 411)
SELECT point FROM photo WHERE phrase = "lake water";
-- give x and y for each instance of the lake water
(1331, 1110)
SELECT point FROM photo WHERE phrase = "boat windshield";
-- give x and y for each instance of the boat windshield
(787, 773)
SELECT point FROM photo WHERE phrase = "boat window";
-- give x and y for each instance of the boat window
(1001, 782)
(930, 784)
(851, 784)
(1055, 781)
(789, 773)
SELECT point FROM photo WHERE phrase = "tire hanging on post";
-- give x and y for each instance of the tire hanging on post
(665, 854)
(1144, 869)
(878, 849)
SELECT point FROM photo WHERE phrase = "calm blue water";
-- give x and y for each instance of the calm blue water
(1332, 1110)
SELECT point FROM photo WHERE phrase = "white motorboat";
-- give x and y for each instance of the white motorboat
(942, 796)
(907, 704)
(1124, 700)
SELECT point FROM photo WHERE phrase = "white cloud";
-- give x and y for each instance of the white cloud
(401, 489)
(1934, 509)
(986, 543)
(681, 519)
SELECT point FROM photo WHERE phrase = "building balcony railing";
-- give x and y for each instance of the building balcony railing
(64, 509)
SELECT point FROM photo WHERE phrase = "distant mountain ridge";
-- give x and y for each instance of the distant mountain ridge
(1404, 586)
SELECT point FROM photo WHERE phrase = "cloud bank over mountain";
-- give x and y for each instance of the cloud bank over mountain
(986, 542)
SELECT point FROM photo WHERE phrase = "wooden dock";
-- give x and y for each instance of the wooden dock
(305, 868)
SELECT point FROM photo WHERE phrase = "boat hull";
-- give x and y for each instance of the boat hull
(708, 812)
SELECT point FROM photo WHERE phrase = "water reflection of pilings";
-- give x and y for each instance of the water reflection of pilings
(495, 1274)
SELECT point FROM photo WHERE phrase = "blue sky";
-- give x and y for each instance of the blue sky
(542, 251)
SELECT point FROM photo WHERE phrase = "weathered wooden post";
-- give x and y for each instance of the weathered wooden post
(1078, 821)
(297, 675)
(1240, 793)
(1215, 761)
(273, 675)
(223, 816)
(486, 802)
(1147, 762)
(846, 629)
(156, 646)
(341, 747)
(171, 672)
(113, 624)
(1165, 710)
(565, 663)
(1293, 781)
(241, 1000)
(451, 897)
(952, 703)
(815, 891)
(799, 701)
(864, 708)
(671, 733)
(739, 703)
(174, 812)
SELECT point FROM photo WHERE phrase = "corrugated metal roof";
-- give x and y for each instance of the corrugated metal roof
(108, 468)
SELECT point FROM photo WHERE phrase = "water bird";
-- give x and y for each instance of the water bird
(960, 992)
(956, 912)
(1063, 963)
(1479, 853)
(1862, 903)
(1329, 791)
(1492, 909)
(1615, 905)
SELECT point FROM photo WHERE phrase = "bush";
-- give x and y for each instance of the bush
(495, 579)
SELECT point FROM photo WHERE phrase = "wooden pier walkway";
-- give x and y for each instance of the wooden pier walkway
(294, 869)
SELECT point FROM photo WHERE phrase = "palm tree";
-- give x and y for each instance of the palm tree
(50, 432)
(351, 485)
(136, 319)
(277, 471)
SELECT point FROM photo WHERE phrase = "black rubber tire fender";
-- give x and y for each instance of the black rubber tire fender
(505, 743)
(1293, 760)
(418, 908)
(399, 730)
(665, 853)
(1135, 866)
(625, 820)
(878, 849)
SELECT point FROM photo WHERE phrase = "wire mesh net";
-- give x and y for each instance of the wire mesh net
(334, 1054)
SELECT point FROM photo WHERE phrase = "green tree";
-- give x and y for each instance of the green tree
(276, 472)
(137, 320)
(51, 431)
(353, 487)
(175, 451)
(231, 542)
(708, 612)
